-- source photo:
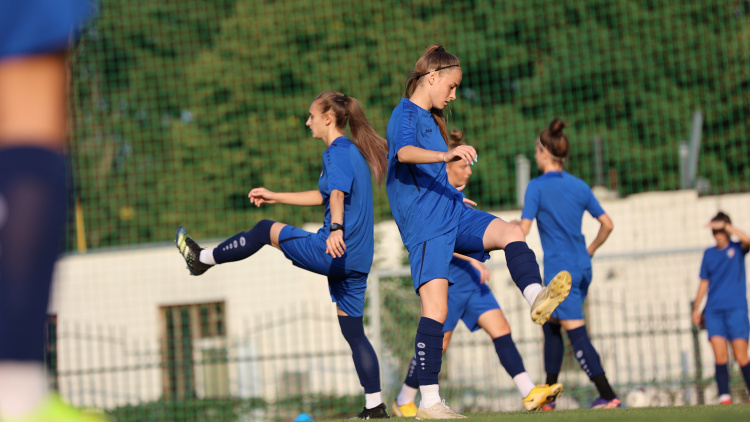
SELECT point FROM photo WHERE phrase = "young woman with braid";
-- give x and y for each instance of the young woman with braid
(343, 248)
(434, 222)
(472, 301)
(557, 200)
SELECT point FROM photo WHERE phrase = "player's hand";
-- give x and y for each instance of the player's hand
(516, 222)
(484, 272)
(696, 317)
(719, 225)
(469, 201)
(335, 245)
(466, 153)
(260, 196)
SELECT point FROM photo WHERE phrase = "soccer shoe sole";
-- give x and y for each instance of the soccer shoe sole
(539, 400)
(550, 297)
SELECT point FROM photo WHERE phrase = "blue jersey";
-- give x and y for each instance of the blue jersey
(725, 271)
(557, 200)
(423, 203)
(345, 169)
(32, 27)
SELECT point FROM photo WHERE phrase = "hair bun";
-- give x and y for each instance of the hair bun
(556, 127)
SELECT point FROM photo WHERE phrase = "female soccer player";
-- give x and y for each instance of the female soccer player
(34, 38)
(434, 222)
(557, 200)
(723, 277)
(343, 248)
(472, 301)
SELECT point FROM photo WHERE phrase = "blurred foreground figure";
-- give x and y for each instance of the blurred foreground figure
(34, 38)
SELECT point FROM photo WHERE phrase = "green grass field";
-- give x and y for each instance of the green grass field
(717, 413)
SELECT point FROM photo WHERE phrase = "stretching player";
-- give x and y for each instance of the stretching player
(558, 200)
(34, 36)
(434, 222)
(343, 248)
(472, 301)
(723, 277)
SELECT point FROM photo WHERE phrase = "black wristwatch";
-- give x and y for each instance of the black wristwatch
(336, 226)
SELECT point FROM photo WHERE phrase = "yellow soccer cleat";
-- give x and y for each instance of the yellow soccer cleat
(550, 297)
(55, 410)
(409, 410)
(540, 395)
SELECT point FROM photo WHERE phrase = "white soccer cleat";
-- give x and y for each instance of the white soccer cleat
(550, 297)
(438, 411)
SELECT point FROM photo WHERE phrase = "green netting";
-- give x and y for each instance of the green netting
(182, 106)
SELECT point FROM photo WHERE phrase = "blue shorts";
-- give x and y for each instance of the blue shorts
(33, 27)
(431, 259)
(732, 324)
(469, 306)
(307, 251)
(572, 306)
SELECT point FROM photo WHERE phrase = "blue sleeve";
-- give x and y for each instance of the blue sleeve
(406, 131)
(531, 201)
(593, 206)
(704, 267)
(740, 248)
(340, 171)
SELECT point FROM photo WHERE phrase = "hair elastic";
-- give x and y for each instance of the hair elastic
(543, 148)
(438, 69)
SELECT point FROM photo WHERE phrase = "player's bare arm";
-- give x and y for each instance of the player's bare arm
(309, 198)
(605, 228)
(335, 245)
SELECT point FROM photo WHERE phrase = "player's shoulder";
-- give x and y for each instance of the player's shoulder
(573, 179)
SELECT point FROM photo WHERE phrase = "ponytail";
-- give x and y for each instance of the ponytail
(372, 146)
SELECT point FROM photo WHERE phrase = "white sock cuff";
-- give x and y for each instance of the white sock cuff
(207, 257)
(523, 383)
(407, 395)
(531, 292)
(373, 400)
(430, 395)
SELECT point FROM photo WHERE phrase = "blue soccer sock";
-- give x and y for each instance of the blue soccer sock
(722, 378)
(33, 204)
(589, 360)
(429, 351)
(584, 351)
(365, 359)
(412, 380)
(524, 270)
(746, 375)
(508, 353)
(553, 351)
(244, 244)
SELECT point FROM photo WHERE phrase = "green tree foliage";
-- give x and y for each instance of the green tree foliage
(181, 107)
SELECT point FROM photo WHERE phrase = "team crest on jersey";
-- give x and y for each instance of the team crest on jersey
(730, 253)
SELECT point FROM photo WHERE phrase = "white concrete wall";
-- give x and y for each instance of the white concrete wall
(113, 297)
